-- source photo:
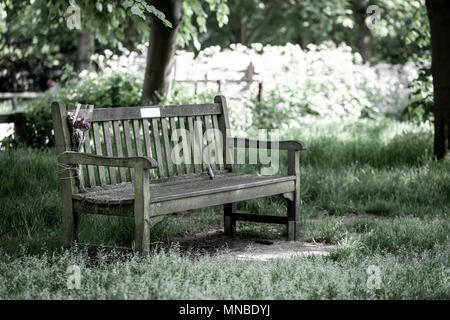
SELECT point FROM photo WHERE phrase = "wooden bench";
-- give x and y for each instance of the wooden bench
(127, 169)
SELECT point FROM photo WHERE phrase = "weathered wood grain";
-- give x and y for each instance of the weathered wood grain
(142, 210)
(66, 180)
(98, 151)
(147, 143)
(195, 152)
(109, 151)
(128, 143)
(293, 210)
(166, 143)
(186, 145)
(219, 141)
(173, 130)
(134, 113)
(119, 149)
(90, 169)
(229, 222)
(72, 157)
(282, 145)
(157, 141)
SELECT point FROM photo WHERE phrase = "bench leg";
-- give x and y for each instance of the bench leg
(293, 206)
(229, 222)
(142, 210)
(69, 226)
(293, 217)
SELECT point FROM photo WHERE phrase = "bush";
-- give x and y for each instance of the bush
(324, 80)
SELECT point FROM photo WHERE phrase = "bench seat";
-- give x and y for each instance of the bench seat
(238, 186)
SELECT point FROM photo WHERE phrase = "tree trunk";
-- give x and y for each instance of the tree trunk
(161, 51)
(85, 49)
(241, 31)
(439, 15)
(363, 32)
(257, 30)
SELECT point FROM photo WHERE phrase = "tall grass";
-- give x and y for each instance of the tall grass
(30, 203)
(172, 275)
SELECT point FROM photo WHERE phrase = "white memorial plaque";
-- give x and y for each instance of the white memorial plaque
(150, 113)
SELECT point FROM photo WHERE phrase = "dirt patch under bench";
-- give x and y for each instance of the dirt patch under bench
(214, 241)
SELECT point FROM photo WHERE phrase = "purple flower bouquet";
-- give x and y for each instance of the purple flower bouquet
(79, 126)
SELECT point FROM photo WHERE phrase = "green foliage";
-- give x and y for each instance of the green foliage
(277, 23)
(33, 48)
(36, 42)
(421, 107)
(29, 191)
(277, 106)
(103, 91)
(107, 18)
(403, 235)
(329, 232)
(140, 7)
(418, 37)
(313, 22)
(171, 274)
(107, 23)
(399, 35)
(181, 95)
(195, 17)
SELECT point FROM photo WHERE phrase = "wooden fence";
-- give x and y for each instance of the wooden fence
(220, 84)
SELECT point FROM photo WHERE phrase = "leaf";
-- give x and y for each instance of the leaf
(201, 21)
(137, 11)
(160, 15)
(127, 3)
(167, 23)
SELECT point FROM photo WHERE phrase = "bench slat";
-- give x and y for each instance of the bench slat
(147, 142)
(173, 129)
(209, 141)
(137, 138)
(218, 140)
(109, 151)
(119, 149)
(224, 124)
(157, 142)
(90, 169)
(186, 145)
(98, 151)
(166, 142)
(190, 121)
(134, 113)
(198, 143)
(128, 145)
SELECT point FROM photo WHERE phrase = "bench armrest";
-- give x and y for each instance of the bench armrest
(71, 157)
(294, 145)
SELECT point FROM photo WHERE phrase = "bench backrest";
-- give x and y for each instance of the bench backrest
(193, 132)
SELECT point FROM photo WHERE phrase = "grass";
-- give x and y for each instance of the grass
(176, 275)
(370, 187)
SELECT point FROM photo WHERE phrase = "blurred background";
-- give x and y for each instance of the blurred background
(279, 62)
